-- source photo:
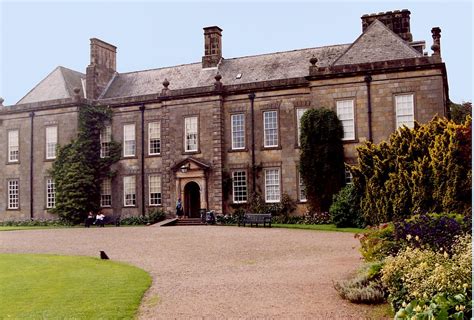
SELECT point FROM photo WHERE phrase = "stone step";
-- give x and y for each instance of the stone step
(189, 222)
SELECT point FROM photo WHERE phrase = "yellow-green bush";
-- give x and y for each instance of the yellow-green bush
(417, 273)
(419, 170)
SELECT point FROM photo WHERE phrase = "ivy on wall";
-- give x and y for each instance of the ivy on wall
(79, 170)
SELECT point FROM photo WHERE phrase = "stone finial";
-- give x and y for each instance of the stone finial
(436, 47)
(313, 60)
(218, 84)
(165, 89)
(77, 96)
(1, 102)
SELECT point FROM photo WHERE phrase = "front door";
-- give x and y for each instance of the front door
(192, 200)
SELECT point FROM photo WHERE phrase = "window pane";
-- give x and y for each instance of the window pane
(105, 139)
(272, 185)
(299, 115)
(50, 193)
(302, 189)
(13, 194)
(404, 110)
(51, 142)
(270, 125)
(239, 184)
(129, 196)
(154, 185)
(345, 113)
(238, 131)
(106, 193)
(191, 134)
(13, 146)
(154, 138)
(129, 140)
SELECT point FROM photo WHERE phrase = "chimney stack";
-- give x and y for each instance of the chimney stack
(397, 21)
(101, 68)
(436, 47)
(212, 47)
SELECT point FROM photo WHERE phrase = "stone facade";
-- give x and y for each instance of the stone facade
(214, 91)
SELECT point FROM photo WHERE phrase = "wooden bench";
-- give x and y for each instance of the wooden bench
(256, 218)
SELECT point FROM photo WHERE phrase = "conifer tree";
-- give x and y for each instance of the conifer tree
(322, 157)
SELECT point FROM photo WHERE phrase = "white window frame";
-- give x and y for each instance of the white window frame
(239, 186)
(272, 198)
(191, 128)
(51, 142)
(105, 140)
(129, 189)
(50, 193)
(129, 140)
(299, 115)
(347, 118)
(404, 114)
(154, 138)
(13, 194)
(106, 193)
(301, 189)
(238, 131)
(154, 187)
(13, 146)
(348, 176)
(273, 129)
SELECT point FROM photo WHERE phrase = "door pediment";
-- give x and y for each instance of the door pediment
(191, 164)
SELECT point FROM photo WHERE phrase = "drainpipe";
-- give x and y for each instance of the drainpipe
(368, 80)
(32, 117)
(142, 158)
(252, 98)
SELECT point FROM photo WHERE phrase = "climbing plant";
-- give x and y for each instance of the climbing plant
(79, 170)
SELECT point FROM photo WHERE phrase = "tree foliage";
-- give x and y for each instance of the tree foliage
(322, 157)
(460, 112)
(78, 169)
(420, 170)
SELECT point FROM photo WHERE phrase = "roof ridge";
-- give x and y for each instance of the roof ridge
(235, 58)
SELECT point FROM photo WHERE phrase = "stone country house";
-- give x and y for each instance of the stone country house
(188, 130)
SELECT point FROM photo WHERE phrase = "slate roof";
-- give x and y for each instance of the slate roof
(59, 84)
(377, 43)
(273, 66)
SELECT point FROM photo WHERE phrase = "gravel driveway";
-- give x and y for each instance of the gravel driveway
(216, 272)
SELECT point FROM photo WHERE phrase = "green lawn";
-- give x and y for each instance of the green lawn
(66, 287)
(321, 227)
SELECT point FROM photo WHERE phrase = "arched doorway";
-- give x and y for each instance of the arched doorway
(192, 200)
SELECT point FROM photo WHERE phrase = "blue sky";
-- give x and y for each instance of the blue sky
(38, 36)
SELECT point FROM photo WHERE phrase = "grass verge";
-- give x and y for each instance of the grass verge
(13, 228)
(60, 287)
(320, 227)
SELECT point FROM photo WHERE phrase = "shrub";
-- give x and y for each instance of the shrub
(322, 175)
(365, 287)
(378, 243)
(417, 273)
(436, 231)
(317, 218)
(441, 306)
(35, 223)
(156, 215)
(345, 210)
(153, 216)
(424, 169)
